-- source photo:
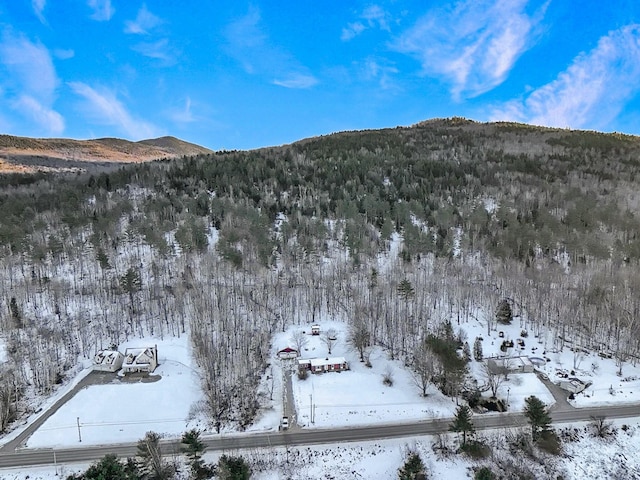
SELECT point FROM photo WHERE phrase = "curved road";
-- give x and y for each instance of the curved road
(288, 438)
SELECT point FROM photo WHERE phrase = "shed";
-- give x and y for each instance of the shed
(287, 353)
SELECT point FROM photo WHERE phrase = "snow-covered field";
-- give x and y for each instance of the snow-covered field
(589, 367)
(120, 412)
(124, 412)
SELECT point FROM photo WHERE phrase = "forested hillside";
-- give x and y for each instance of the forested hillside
(377, 228)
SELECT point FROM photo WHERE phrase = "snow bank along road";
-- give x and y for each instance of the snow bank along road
(29, 457)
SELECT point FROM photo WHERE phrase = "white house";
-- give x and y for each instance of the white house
(319, 365)
(573, 385)
(143, 360)
(510, 365)
(108, 361)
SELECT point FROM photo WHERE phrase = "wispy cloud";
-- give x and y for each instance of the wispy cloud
(296, 80)
(38, 9)
(64, 54)
(159, 50)
(39, 113)
(102, 10)
(380, 71)
(371, 17)
(144, 23)
(30, 81)
(474, 45)
(591, 92)
(105, 108)
(253, 49)
(184, 114)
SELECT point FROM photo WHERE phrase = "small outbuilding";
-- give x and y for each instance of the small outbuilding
(288, 353)
(107, 361)
(572, 385)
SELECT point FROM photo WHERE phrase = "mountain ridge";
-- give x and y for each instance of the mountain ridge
(28, 155)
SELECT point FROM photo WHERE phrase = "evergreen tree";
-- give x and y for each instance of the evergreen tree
(15, 313)
(151, 465)
(477, 349)
(462, 423)
(504, 315)
(405, 290)
(193, 448)
(536, 412)
(466, 351)
(108, 468)
(484, 473)
(233, 468)
(411, 468)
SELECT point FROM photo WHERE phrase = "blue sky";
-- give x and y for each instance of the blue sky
(236, 75)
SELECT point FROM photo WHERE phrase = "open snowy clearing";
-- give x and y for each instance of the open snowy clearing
(124, 412)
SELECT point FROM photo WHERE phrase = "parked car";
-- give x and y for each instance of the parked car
(284, 423)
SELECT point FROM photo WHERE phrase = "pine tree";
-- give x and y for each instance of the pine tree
(405, 290)
(152, 465)
(412, 467)
(477, 349)
(466, 351)
(504, 315)
(193, 448)
(462, 423)
(233, 468)
(15, 313)
(539, 419)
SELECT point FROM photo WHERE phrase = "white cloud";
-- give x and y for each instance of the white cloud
(296, 80)
(371, 17)
(64, 54)
(253, 49)
(144, 23)
(105, 108)
(381, 71)
(160, 50)
(30, 82)
(38, 9)
(185, 114)
(590, 92)
(474, 45)
(47, 118)
(102, 10)
(352, 30)
(29, 65)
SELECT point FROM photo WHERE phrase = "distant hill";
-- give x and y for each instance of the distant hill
(22, 154)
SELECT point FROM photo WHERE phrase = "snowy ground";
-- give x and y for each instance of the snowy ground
(124, 412)
(587, 458)
(602, 372)
(358, 396)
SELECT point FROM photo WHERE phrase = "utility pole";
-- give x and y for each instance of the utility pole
(79, 436)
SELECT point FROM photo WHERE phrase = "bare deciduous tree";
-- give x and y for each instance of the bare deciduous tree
(494, 379)
(329, 338)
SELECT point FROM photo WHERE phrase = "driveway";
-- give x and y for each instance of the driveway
(92, 378)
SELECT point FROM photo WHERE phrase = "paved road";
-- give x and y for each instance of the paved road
(233, 442)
